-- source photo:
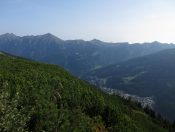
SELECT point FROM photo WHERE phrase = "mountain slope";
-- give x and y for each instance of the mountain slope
(42, 97)
(77, 56)
(151, 75)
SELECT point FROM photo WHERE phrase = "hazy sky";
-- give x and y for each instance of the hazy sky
(108, 20)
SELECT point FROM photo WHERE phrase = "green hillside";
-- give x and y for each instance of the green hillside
(41, 97)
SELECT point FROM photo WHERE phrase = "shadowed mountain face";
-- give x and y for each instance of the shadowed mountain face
(77, 56)
(40, 97)
(152, 75)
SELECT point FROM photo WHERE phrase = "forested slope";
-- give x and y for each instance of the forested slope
(42, 97)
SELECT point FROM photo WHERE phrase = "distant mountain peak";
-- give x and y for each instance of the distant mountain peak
(8, 36)
(96, 40)
(156, 42)
(51, 36)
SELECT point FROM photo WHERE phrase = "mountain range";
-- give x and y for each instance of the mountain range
(77, 56)
(143, 70)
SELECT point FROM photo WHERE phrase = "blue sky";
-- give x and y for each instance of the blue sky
(107, 20)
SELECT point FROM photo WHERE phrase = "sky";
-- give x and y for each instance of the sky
(108, 20)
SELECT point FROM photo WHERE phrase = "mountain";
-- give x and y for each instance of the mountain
(148, 76)
(43, 97)
(77, 56)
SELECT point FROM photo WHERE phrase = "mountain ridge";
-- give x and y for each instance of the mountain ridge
(91, 40)
(77, 56)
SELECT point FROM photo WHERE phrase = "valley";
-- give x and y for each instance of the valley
(143, 73)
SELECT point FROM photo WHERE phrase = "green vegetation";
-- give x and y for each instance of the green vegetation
(41, 97)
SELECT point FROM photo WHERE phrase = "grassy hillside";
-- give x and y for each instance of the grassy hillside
(42, 97)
